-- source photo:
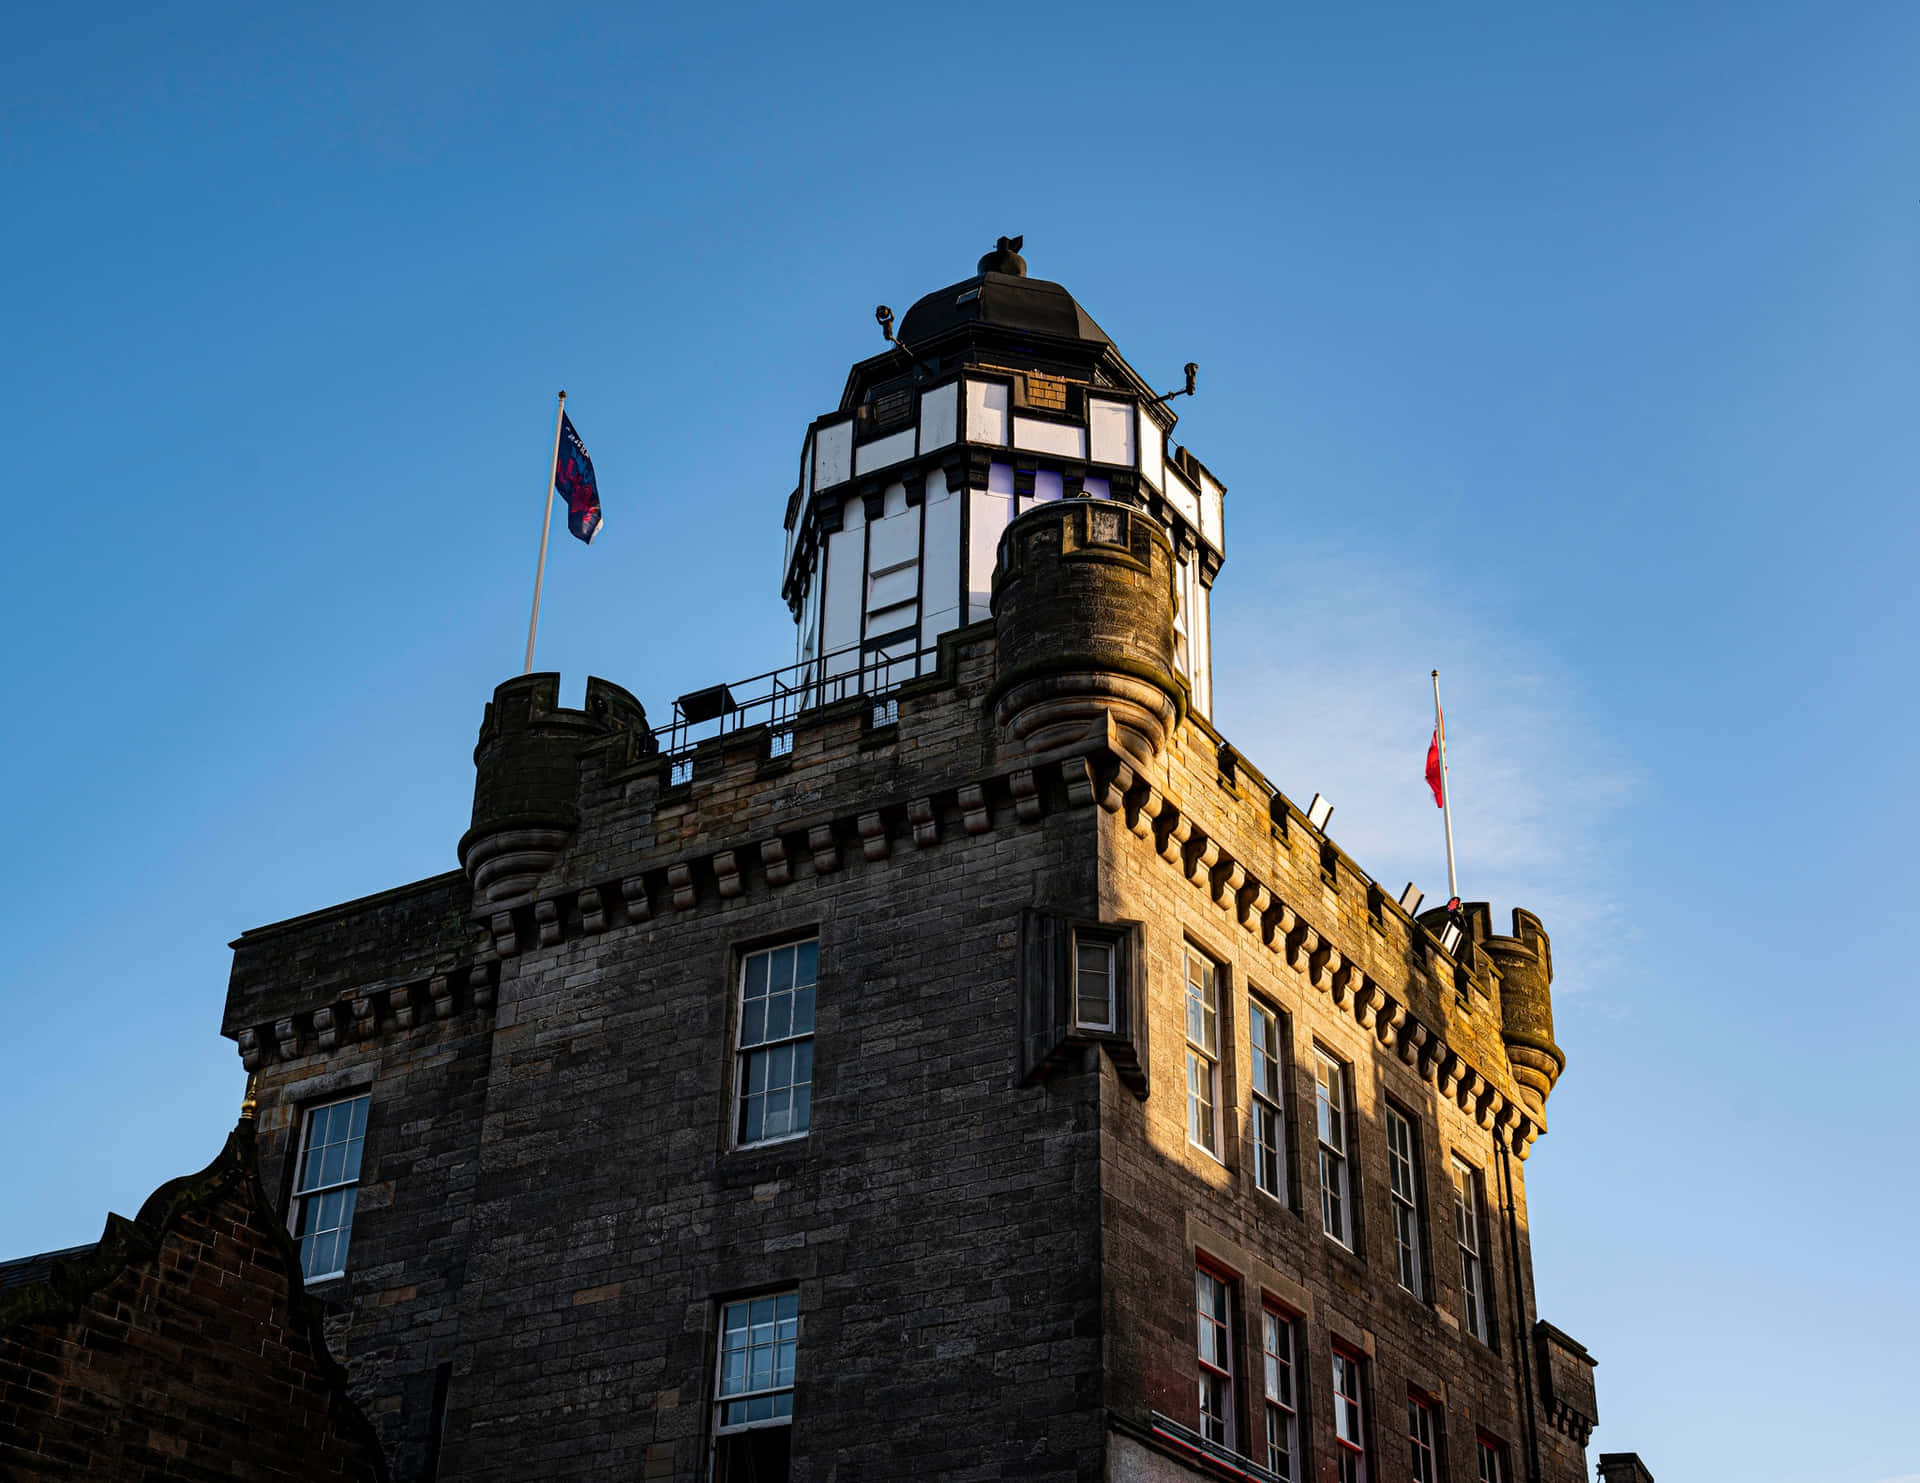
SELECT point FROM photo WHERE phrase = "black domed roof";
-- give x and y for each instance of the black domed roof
(1006, 301)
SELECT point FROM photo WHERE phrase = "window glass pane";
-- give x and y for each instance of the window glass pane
(803, 1011)
(756, 982)
(806, 957)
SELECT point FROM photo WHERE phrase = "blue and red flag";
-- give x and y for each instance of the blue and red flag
(573, 480)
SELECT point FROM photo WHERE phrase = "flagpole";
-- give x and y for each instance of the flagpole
(546, 523)
(1446, 790)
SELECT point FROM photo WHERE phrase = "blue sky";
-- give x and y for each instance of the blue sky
(1569, 348)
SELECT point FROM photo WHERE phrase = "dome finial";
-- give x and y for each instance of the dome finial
(1005, 258)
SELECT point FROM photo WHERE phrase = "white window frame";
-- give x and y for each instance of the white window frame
(1213, 1325)
(1349, 1418)
(1203, 1053)
(1268, 1123)
(783, 1333)
(754, 1045)
(1422, 1434)
(1468, 1235)
(1280, 1392)
(1403, 1169)
(1100, 955)
(1332, 1097)
(313, 1195)
(1490, 1458)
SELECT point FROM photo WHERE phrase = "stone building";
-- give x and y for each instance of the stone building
(180, 1345)
(944, 1057)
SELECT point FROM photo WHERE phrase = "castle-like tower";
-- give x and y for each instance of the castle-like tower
(945, 1057)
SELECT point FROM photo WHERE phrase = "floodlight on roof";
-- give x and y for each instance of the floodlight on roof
(1450, 936)
(1410, 899)
(1318, 812)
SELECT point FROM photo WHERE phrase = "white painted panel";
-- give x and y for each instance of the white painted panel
(845, 552)
(1049, 437)
(885, 589)
(1152, 449)
(890, 619)
(833, 455)
(987, 412)
(1000, 478)
(853, 514)
(1212, 502)
(1111, 426)
(1098, 488)
(939, 416)
(883, 451)
(987, 515)
(896, 538)
(806, 470)
(1046, 486)
(940, 588)
(1200, 640)
(1183, 496)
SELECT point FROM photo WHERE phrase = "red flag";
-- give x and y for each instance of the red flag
(1434, 779)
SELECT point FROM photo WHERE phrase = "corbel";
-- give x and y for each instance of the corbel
(873, 499)
(773, 859)
(1485, 1103)
(366, 1019)
(1277, 923)
(1433, 1055)
(1388, 1019)
(481, 983)
(1143, 807)
(1226, 879)
(1026, 795)
(915, 483)
(1466, 1087)
(1324, 966)
(1073, 486)
(593, 910)
(825, 848)
(1201, 854)
(680, 882)
(1302, 943)
(1413, 1037)
(547, 915)
(325, 1029)
(440, 991)
(1124, 486)
(287, 1033)
(1447, 1075)
(1251, 903)
(1172, 830)
(726, 872)
(973, 809)
(926, 824)
(253, 1054)
(506, 942)
(1506, 1119)
(1023, 471)
(1367, 1000)
(873, 836)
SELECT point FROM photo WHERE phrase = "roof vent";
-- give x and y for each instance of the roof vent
(1005, 258)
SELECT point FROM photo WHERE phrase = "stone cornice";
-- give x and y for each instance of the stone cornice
(869, 835)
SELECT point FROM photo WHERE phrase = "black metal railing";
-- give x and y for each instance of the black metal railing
(777, 699)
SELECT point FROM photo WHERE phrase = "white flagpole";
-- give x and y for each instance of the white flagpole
(1446, 789)
(546, 522)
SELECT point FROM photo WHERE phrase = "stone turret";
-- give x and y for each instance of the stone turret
(1525, 961)
(1083, 612)
(526, 780)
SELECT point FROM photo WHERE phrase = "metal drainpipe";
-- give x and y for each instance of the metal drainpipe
(1521, 1338)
